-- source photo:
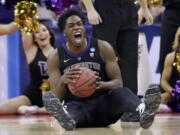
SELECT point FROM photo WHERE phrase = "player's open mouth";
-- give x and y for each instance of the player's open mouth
(77, 35)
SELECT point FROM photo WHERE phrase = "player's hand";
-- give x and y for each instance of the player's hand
(101, 85)
(69, 76)
(94, 17)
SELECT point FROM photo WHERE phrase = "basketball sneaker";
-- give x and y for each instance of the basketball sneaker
(152, 101)
(130, 117)
(54, 108)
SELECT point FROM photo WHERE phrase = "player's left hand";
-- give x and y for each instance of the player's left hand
(101, 84)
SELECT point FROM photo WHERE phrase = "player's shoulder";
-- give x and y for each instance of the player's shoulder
(104, 45)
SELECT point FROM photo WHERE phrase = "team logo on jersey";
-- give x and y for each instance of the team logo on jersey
(79, 58)
(66, 60)
(43, 67)
(92, 51)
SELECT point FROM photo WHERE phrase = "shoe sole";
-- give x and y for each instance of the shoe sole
(152, 101)
(130, 117)
(54, 108)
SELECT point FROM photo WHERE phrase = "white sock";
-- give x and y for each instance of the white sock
(141, 108)
(27, 109)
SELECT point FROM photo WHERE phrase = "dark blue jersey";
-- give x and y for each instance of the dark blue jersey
(90, 58)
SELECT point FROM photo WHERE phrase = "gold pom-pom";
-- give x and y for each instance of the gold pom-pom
(177, 62)
(153, 2)
(26, 15)
(45, 86)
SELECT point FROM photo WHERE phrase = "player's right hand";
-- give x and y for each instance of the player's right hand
(69, 76)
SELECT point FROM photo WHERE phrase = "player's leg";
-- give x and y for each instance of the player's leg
(110, 107)
(56, 109)
(152, 101)
(70, 116)
(123, 100)
(78, 111)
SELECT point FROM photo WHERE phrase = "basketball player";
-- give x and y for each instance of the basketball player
(110, 100)
(37, 47)
(8, 28)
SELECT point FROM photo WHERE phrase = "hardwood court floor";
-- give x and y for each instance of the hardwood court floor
(164, 124)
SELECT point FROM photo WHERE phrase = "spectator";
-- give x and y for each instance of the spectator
(170, 76)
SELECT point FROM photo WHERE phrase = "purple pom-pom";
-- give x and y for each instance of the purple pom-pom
(174, 103)
(176, 91)
(58, 6)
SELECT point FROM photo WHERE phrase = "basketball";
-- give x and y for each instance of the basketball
(85, 85)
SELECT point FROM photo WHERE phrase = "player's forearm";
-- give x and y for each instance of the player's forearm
(116, 83)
